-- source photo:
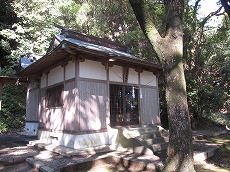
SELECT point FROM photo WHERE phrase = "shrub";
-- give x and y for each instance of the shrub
(13, 106)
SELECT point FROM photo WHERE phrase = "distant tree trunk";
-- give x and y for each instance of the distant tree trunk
(169, 50)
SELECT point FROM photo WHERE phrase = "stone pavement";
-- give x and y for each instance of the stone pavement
(67, 159)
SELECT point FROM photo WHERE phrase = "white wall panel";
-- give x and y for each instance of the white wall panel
(133, 76)
(148, 78)
(43, 81)
(56, 75)
(92, 69)
(70, 70)
(116, 74)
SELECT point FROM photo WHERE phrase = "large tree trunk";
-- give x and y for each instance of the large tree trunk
(180, 149)
(169, 50)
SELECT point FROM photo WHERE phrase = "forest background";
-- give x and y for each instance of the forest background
(27, 27)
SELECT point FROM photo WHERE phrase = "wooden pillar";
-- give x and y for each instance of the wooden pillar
(108, 96)
(77, 93)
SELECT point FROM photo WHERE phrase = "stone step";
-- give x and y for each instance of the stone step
(124, 161)
(149, 149)
(143, 139)
(148, 135)
(137, 131)
(153, 144)
(132, 162)
(159, 146)
(68, 152)
(16, 155)
(152, 141)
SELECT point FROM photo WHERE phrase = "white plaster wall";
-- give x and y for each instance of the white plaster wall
(56, 75)
(70, 70)
(148, 78)
(116, 73)
(133, 76)
(43, 81)
(92, 69)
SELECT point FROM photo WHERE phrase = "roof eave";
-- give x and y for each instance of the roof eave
(36, 68)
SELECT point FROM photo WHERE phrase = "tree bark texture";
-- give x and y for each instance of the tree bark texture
(169, 50)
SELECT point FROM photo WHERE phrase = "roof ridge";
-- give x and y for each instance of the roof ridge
(94, 40)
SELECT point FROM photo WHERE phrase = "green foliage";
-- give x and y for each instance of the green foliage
(218, 118)
(35, 27)
(206, 63)
(3, 127)
(74, 15)
(211, 98)
(13, 106)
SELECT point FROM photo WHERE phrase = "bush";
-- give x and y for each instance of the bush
(218, 118)
(13, 106)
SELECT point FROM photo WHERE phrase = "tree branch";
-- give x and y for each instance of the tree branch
(196, 4)
(146, 23)
(215, 13)
(201, 30)
(226, 5)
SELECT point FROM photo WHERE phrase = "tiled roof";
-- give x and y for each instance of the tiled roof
(74, 43)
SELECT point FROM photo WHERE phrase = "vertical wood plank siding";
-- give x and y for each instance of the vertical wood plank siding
(56, 118)
(43, 121)
(92, 110)
(50, 118)
(32, 105)
(149, 105)
(70, 117)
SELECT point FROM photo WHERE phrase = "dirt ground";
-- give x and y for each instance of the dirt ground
(10, 143)
(13, 143)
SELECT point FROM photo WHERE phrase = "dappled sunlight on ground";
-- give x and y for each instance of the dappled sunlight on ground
(207, 167)
(44, 155)
(221, 161)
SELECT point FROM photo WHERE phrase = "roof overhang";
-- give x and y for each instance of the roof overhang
(72, 49)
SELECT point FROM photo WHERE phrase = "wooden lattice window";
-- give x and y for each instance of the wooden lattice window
(54, 96)
(124, 105)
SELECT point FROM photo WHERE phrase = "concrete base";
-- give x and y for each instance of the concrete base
(31, 128)
(121, 138)
(79, 141)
